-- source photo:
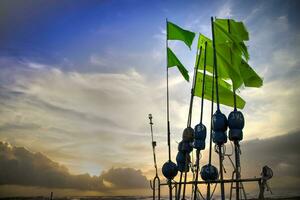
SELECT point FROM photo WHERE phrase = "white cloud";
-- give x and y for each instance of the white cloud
(96, 60)
(225, 11)
(82, 113)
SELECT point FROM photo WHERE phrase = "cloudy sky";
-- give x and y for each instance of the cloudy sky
(78, 79)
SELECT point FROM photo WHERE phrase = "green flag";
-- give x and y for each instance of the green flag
(237, 29)
(231, 66)
(250, 77)
(225, 93)
(240, 34)
(235, 42)
(227, 63)
(174, 32)
(173, 61)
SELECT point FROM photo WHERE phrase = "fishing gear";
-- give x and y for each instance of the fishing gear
(195, 138)
(169, 169)
(219, 120)
(185, 147)
(236, 123)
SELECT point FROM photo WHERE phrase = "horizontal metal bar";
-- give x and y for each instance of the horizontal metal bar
(217, 181)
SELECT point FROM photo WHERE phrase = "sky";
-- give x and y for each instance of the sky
(79, 78)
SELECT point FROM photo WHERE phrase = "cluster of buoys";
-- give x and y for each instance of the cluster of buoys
(184, 149)
(195, 138)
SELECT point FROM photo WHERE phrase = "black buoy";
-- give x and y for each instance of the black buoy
(236, 123)
(188, 134)
(219, 126)
(185, 147)
(169, 170)
(199, 137)
(219, 121)
(209, 173)
(200, 132)
(182, 159)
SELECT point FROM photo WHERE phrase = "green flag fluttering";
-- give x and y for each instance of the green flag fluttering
(174, 61)
(225, 93)
(175, 32)
(237, 29)
(227, 63)
(238, 32)
(234, 41)
(231, 65)
(250, 77)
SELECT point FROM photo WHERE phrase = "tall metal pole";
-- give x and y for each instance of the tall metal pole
(215, 62)
(189, 121)
(168, 111)
(218, 107)
(210, 135)
(193, 90)
(236, 143)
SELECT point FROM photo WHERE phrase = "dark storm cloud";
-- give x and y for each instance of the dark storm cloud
(275, 151)
(281, 153)
(18, 166)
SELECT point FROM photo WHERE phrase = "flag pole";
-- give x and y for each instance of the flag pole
(218, 109)
(191, 109)
(236, 143)
(168, 112)
(190, 113)
(201, 115)
(215, 63)
(189, 122)
(210, 135)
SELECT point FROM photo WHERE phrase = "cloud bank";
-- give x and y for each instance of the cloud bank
(19, 166)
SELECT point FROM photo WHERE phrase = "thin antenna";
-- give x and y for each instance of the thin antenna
(153, 143)
(156, 178)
